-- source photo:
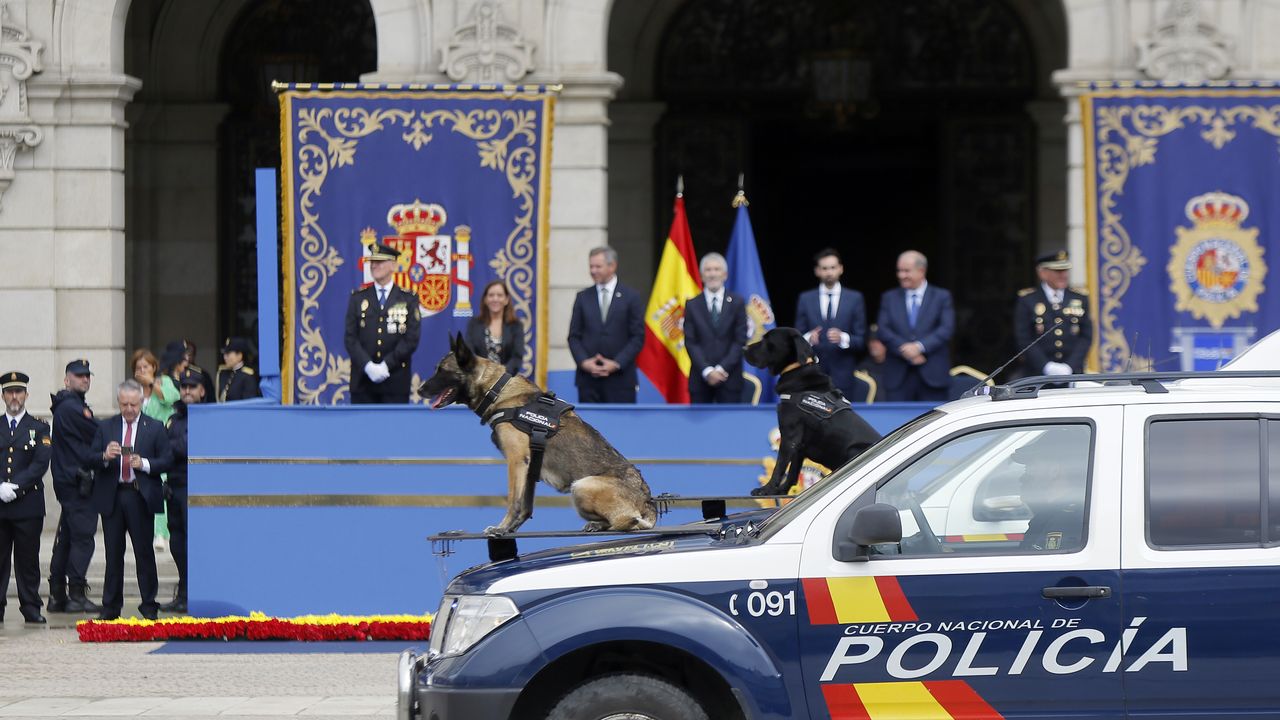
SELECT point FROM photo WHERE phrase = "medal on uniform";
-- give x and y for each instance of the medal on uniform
(364, 304)
(402, 328)
(1039, 308)
(391, 325)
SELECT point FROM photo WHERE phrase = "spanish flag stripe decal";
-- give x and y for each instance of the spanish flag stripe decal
(818, 598)
(843, 703)
(900, 701)
(894, 600)
(857, 600)
(961, 701)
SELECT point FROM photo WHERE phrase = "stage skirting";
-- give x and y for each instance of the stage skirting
(318, 509)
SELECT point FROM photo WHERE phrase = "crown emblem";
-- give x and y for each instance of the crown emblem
(368, 237)
(1217, 209)
(417, 218)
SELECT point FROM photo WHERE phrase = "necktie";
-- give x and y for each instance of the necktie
(13, 426)
(382, 297)
(604, 304)
(126, 470)
(831, 309)
(913, 308)
(715, 310)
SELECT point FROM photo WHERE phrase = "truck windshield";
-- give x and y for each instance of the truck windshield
(837, 477)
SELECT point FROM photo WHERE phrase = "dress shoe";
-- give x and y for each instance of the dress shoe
(176, 605)
(149, 614)
(108, 615)
(34, 618)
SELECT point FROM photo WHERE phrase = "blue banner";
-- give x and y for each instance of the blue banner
(746, 278)
(1182, 215)
(454, 178)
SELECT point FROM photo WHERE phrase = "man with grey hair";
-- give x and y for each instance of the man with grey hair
(606, 333)
(915, 324)
(715, 329)
(131, 451)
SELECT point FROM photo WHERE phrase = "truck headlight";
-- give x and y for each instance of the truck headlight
(463, 620)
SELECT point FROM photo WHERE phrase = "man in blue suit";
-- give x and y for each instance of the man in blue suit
(915, 323)
(606, 332)
(132, 451)
(833, 319)
(715, 329)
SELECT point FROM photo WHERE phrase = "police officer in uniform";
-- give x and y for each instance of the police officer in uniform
(175, 487)
(73, 545)
(189, 351)
(1053, 488)
(27, 447)
(382, 328)
(1052, 307)
(236, 380)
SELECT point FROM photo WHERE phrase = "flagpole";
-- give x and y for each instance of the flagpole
(680, 185)
(740, 200)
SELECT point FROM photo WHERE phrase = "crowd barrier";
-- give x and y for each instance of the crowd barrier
(305, 509)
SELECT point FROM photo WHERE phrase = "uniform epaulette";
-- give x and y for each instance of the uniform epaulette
(1026, 291)
(246, 370)
(195, 368)
(1079, 291)
(223, 367)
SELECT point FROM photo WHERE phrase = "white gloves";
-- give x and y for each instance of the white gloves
(1057, 368)
(8, 492)
(377, 372)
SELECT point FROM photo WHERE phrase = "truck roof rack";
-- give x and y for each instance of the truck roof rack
(502, 546)
(1151, 382)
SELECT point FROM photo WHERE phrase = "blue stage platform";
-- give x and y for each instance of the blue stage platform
(305, 509)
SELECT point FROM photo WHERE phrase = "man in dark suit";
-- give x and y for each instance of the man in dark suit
(1052, 307)
(382, 329)
(915, 324)
(833, 319)
(26, 446)
(132, 451)
(73, 428)
(606, 332)
(175, 485)
(715, 329)
(236, 380)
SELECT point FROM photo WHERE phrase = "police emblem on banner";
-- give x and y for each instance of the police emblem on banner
(1216, 267)
(759, 318)
(429, 265)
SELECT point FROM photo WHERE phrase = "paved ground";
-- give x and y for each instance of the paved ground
(48, 672)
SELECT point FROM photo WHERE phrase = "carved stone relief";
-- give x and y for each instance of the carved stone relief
(19, 59)
(486, 48)
(1185, 48)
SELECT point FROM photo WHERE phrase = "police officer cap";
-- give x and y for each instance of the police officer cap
(1044, 446)
(79, 366)
(236, 344)
(378, 251)
(189, 377)
(12, 380)
(1056, 260)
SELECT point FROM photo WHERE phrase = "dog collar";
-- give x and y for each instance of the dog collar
(795, 365)
(492, 396)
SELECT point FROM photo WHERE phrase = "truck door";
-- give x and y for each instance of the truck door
(1201, 563)
(953, 624)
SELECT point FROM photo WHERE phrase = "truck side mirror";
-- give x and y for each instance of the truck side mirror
(875, 524)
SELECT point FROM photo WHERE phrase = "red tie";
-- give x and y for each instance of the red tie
(126, 470)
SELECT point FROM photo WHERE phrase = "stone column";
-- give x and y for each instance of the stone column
(632, 140)
(1049, 117)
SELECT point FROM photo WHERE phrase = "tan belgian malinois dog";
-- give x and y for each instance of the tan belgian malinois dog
(607, 490)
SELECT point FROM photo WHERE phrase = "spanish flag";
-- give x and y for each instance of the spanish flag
(663, 358)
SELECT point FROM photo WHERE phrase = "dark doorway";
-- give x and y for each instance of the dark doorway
(272, 40)
(873, 127)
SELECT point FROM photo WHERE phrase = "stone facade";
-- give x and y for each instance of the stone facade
(89, 279)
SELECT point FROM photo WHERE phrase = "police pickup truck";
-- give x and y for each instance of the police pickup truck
(1106, 551)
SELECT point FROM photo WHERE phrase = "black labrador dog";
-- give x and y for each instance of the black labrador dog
(814, 419)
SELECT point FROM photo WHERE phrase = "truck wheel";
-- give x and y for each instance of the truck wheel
(627, 697)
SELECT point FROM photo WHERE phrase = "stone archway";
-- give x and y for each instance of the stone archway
(203, 120)
(872, 127)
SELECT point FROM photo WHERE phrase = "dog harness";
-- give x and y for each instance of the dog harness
(539, 419)
(821, 405)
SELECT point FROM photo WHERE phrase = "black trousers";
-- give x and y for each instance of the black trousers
(177, 506)
(20, 549)
(729, 391)
(130, 516)
(73, 545)
(392, 391)
(612, 389)
(913, 388)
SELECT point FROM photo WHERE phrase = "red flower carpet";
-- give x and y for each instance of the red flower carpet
(258, 626)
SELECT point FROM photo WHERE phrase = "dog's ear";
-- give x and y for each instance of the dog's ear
(463, 353)
(804, 351)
